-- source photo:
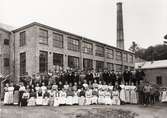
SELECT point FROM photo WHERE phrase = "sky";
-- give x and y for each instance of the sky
(145, 21)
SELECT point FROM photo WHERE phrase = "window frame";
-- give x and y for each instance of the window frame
(73, 44)
(87, 46)
(99, 52)
(57, 41)
(43, 37)
(22, 38)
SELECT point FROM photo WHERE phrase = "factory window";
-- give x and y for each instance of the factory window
(43, 61)
(6, 62)
(73, 62)
(100, 51)
(125, 57)
(110, 53)
(22, 38)
(118, 56)
(22, 63)
(130, 59)
(87, 48)
(99, 66)
(87, 64)
(118, 68)
(6, 41)
(110, 66)
(43, 36)
(58, 59)
(57, 40)
(73, 44)
(159, 80)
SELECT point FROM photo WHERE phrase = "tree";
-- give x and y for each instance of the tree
(134, 47)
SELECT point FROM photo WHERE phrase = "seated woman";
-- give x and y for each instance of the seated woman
(107, 97)
(101, 96)
(88, 96)
(116, 99)
(39, 98)
(81, 99)
(62, 97)
(45, 101)
(25, 98)
(31, 101)
(70, 94)
(56, 98)
(75, 97)
(94, 96)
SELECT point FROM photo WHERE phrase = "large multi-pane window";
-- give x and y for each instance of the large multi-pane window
(73, 44)
(6, 62)
(73, 62)
(125, 57)
(22, 38)
(118, 56)
(43, 36)
(58, 59)
(6, 41)
(130, 59)
(22, 63)
(43, 61)
(110, 66)
(99, 51)
(118, 68)
(99, 66)
(87, 64)
(109, 53)
(57, 40)
(87, 48)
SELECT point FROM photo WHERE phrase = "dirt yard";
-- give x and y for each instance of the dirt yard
(124, 111)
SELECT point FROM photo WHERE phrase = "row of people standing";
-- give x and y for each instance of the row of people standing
(86, 93)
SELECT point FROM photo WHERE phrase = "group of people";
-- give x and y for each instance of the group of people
(73, 88)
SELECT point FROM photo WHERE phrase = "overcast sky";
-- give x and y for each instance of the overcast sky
(145, 21)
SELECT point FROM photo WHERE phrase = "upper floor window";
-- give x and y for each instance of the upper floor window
(73, 44)
(130, 59)
(43, 36)
(22, 38)
(125, 57)
(118, 56)
(110, 66)
(110, 53)
(87, 48)
(6, 62)
(57, 40)
(100, 51)
(6, 41)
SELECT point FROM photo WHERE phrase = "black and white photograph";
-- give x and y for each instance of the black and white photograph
(83, 58)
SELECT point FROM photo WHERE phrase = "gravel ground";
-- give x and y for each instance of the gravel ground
(123, 111)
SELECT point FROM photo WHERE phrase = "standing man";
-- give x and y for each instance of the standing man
(140, 88)
(147, 90)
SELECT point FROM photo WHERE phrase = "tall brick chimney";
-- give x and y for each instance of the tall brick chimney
(120, 31)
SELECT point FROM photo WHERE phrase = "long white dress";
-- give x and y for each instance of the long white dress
(164, 96)
(115, 100)
(62, 97)
(107, 98)
(39, 98)
(10, 92)
(44, 88)
(133, 95)
(6, 96)
(101, 97)
(75, 98)
(56, 99)
(94, 96)
(88, 97)
(122, 93)
(127, 94)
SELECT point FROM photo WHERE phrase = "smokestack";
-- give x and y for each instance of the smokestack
(120, 32)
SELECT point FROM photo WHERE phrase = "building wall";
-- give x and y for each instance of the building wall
(152, 74)
(4, 52)
(33, 47)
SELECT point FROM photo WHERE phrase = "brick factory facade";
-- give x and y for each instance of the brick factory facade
(37, 48)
